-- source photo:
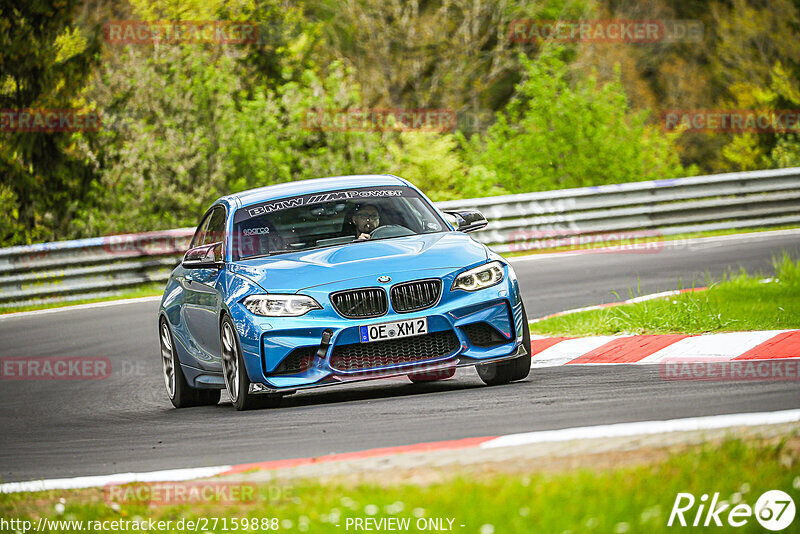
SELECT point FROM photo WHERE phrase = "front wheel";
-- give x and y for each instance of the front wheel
(235, 373)
(494, 374)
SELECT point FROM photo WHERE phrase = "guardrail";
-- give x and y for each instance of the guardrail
(658, 208)
(89, 268)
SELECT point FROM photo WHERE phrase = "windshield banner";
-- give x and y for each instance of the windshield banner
(364, 193)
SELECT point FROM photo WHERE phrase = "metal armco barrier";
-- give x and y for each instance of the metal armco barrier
(547, 219)
(87, 268)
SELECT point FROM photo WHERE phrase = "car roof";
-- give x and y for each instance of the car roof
(302, 187)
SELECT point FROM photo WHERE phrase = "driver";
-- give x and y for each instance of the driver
(366, 218)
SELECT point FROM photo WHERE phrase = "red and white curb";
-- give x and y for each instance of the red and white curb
(657, 348)
(641, 428)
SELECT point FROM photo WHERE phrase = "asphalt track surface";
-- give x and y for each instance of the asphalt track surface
(54, 429)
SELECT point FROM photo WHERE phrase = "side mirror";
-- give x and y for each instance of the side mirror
(203, 257)
(468, 221)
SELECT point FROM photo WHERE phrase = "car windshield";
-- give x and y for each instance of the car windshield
(331, 218)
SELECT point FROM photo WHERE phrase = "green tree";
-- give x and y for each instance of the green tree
(559, 133)
(182, 130)
(435, 163)
(274, 139)
(285, 37)
(757, 59)
(45, 60)
(454, 54)
(750, 151)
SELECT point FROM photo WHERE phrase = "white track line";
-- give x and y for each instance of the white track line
(170, 475)
(644, 428)
(547, 436)
(635, 300)
(663, 294)
(77, 307)
(672, 243)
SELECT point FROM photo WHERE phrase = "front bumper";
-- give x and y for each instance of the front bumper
(267, 341)
(334, 379)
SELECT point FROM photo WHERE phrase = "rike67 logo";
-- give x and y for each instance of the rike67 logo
(774, 510)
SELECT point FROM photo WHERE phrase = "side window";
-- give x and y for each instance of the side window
(211, 230)
(200, 233)
(215, 232)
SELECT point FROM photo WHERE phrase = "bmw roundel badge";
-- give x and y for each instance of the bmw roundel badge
(384, 279)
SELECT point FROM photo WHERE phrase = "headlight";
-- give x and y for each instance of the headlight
(480, 277)
(280, 305)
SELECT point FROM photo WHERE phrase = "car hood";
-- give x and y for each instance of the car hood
(300, 270)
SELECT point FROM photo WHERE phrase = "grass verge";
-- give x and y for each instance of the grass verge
(619, 499)
(740, 302)
(147, 290)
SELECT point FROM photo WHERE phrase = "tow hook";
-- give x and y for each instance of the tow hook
(323, 346)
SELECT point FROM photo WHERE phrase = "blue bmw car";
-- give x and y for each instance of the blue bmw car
(324, 282)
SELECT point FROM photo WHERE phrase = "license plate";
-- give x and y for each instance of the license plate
(393, 330)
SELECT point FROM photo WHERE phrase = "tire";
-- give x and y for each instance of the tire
(495, 374)
(433, 376)
(178, 390)
(234, 372)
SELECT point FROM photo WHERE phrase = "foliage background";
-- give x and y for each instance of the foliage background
(186, 123)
